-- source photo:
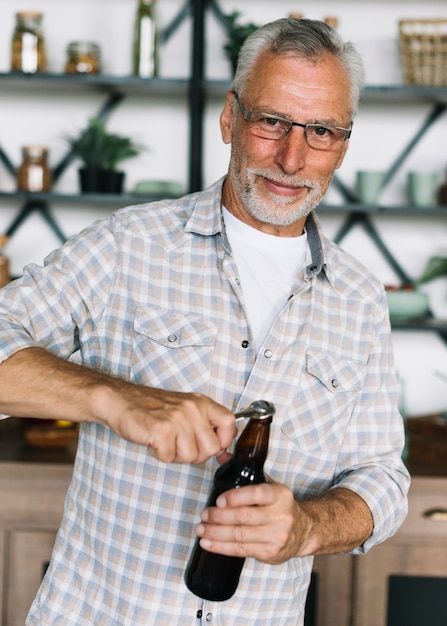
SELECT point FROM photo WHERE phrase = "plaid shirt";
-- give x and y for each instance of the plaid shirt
(152, 295)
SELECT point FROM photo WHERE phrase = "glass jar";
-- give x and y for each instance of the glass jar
(34, 173)
(83, 57)
(145, 43)
(28, 44)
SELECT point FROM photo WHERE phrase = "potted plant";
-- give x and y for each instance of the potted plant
(101, 152)
(236, 35)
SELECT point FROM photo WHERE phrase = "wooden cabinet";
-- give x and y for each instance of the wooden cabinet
(331, 590)
(32, 499)
(29, 553)
(414, 559)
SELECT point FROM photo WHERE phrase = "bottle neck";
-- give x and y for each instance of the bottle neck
(253, 442)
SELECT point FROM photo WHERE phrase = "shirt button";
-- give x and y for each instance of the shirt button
(334, 383)
(268, 354)
(209, 617)
(245, 344)
(237, 281)
(172, 338)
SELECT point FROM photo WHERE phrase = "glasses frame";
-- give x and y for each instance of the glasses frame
(247, 115)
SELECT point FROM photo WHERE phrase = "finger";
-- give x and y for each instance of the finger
(213, 426)
(184, 434)
(223, 457)
(249, 495)
(241, 516)
(224, 424)
(238, 541)
(264, 541)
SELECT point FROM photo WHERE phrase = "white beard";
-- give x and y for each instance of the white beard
(277, 210)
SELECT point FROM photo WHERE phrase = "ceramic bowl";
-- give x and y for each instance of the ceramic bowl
(406, 304)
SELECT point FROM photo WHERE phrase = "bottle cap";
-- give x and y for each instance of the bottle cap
(259, 409)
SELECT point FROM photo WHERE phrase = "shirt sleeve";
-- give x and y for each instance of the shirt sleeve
(375, 440)
(48, 305)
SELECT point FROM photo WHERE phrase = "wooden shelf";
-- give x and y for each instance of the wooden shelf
(159, 86)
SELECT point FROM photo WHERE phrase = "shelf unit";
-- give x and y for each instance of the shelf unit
(115, 88)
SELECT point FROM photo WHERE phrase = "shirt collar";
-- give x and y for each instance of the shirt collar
(206, 219)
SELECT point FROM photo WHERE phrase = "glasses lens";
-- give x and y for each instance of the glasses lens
(268, 127)
(323, 137)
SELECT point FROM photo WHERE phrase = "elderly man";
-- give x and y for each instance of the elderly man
(152, 327)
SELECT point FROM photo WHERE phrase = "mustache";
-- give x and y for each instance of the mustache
(283, 179)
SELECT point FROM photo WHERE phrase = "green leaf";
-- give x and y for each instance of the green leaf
(237, 34)
(96, 147)
(436, 267)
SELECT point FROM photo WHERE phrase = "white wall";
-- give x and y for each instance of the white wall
(380, 133)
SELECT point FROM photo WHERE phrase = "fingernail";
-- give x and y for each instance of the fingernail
(205, 543)
(221, 501)
(200, 529)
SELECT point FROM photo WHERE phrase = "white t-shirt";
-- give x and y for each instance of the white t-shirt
(268, 266)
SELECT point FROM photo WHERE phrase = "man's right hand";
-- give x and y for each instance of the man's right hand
(175, 427)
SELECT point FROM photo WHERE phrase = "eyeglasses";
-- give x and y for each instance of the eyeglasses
(270, 126)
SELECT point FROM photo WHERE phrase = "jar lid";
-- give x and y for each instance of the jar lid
(84, 46)
(35, 150)
(29, 14)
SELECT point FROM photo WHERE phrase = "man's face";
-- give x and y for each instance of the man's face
(274, 184)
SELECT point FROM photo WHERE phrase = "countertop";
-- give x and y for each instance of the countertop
(14, 447)
(427, 446)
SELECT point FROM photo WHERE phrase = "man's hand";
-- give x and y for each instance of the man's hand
(267, 523)
(176, 427)
(257, 521)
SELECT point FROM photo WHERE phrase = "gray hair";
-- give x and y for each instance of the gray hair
(304, 38)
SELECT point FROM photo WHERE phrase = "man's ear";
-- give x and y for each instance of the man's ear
(226, 118)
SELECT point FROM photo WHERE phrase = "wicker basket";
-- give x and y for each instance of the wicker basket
(423, 48)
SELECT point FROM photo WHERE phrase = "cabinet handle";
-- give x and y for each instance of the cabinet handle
(437, 515)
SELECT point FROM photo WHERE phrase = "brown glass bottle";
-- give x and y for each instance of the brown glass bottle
(216, 576)
(34, 173)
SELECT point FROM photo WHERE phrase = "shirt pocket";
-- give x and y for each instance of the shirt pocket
(322, 409)
(172, 350)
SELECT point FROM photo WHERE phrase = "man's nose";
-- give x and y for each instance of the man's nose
(292, 150)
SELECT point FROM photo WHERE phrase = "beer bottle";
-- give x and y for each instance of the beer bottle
(216, 576)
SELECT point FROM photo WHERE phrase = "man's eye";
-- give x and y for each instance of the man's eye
(321, 131)
(273, 122)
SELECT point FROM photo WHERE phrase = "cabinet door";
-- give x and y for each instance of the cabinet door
(404, 580)
(332, 580)
(413, 575)
(29, 554)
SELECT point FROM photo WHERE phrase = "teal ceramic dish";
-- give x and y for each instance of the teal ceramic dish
(405, 305)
